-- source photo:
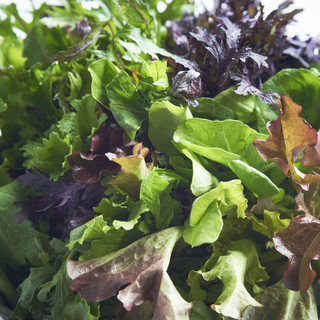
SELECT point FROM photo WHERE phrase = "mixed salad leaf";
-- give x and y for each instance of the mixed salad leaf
(157, 163)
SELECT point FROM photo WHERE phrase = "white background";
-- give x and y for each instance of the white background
(308, 22)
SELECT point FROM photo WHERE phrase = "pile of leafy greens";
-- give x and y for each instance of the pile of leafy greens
(157, 164)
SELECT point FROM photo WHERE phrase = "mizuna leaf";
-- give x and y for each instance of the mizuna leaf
(300, 243)
(142, 266)
(289, 135)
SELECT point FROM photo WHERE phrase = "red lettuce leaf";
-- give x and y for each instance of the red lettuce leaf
(300, 242)
(142, 267)
(106, 141)
(289, 135)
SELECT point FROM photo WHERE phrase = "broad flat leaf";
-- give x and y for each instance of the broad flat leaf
(205, 222)
(300, 243)
(239, 265)
(133, 170)
(202, 180)
(126, 104)
(19, 243)
(280, 303)
(142, 265)
(220, 141)
(51, 158)
(164, 118)
(155, 193)
(289, 135)
(102, 73)
(253, 179)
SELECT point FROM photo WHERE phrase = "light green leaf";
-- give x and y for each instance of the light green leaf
(103, 239)
(164, 118)
(270, 224)
(202, 180)
(253, 179)
(205, 222)
(126, 104)
(239, 265)
(157, 71)
(102, 73)
(280, 303)
(220, 141)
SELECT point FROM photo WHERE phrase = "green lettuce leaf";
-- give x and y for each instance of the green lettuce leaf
(164, 118)
(202, 180)
(228, 142)
(240, 264)
(205, 222)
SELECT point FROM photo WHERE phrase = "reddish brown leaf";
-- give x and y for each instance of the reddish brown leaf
(312, 155)
(289, 135)
(300, 242)
(142, 266)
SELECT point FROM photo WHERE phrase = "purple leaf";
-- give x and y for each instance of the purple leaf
(300, 242)
(88, 169)
(142, 266)
(72, 203)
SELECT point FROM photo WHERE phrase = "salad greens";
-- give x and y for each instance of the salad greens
(157, 164)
